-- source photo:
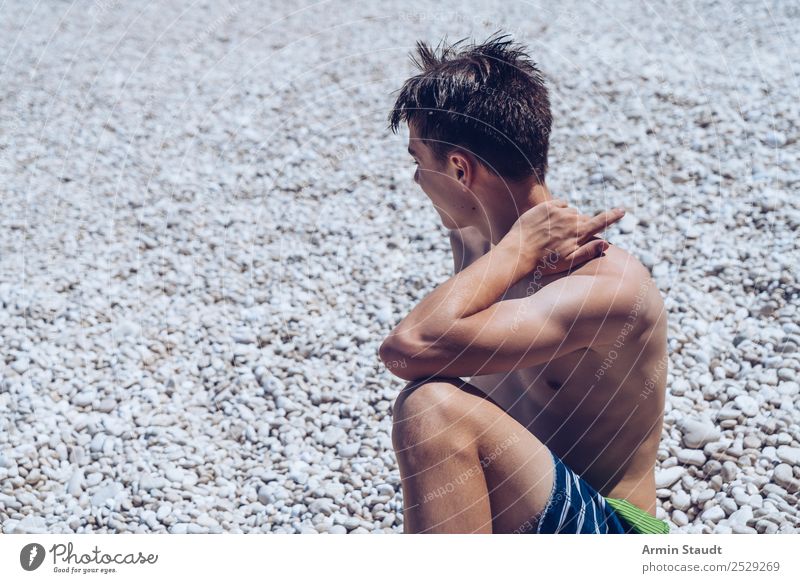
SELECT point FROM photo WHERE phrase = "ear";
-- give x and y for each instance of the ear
(463, 167)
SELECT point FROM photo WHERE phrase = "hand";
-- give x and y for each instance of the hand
(553, 237)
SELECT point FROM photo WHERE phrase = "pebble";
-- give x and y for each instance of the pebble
(691, 456)
(163, 512)
(714, 514)
(696, 434)
(333, 435)
(75, 485)
(174, 474)
(747, 404)
(106, 493)
(21, 366)
(665, 478)
(681, 500)
(789, 455)
(147, 482)
(784, 477)
(83, 399)
(265, 495)
(679, 518)
(348, 450)
(742, 516)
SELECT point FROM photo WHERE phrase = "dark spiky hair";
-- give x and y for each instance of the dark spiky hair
(488, 99)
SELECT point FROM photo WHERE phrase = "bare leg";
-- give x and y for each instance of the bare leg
(466, 465)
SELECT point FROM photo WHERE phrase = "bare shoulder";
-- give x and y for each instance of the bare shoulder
(630, 284)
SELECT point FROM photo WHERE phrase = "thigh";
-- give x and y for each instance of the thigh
(518, 467)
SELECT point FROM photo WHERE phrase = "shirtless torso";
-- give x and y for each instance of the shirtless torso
(599, 409)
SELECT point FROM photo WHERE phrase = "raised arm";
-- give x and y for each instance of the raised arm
(577, 311)
(458, 329)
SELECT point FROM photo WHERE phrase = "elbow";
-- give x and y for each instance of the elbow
(400, 355)
(395, 355)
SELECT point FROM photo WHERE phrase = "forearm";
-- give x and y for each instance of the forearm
(468, 292)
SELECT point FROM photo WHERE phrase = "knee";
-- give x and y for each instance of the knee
(428, 412)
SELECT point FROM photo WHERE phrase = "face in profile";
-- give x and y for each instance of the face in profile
(456, 204)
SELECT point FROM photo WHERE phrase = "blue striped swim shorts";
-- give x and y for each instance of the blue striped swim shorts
(575, 507)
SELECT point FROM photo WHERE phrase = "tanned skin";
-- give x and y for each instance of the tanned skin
(545, 337)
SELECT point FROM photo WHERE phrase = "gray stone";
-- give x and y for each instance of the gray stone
(691, 457)
(348, 450)
(714, 514)
(665, 478)
(696, 434)
(784, 477)
(789, 455)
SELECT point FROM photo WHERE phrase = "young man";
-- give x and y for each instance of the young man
(561, 335)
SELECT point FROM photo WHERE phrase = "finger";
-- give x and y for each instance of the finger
(589, 251)
(602, 221)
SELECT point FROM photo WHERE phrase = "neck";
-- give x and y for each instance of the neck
(502, 212)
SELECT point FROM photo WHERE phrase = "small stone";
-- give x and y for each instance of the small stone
(106, 405)
(627, 224)
(322, 505)
(784, 477)
(742, 516)
(148, 482)
(334, 490)
(728, 505)
(691, 457)
(665, 478)
(333, 435)
(386, 490)
(20, 366)
(714, 514)
(681, 500)
(265, 495)
(163, 511)
(747, 404)
(83, 398)
(174, 474)
(244, 336)
(752, 442)
(126, 329)
(789, 455)
(679, 518)
(106, 493)
(729, 471)
(660, 270)
(75, 486)
(348, 450)
(728, 413)
(775, 139)
(696, 434)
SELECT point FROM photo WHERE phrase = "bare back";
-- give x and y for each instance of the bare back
(600, 409)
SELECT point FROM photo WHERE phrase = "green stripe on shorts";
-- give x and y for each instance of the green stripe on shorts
(641, 521)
